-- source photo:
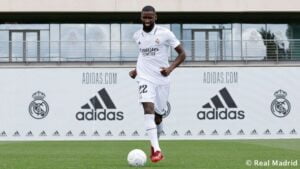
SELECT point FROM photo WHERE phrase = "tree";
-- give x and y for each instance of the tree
(275, 49)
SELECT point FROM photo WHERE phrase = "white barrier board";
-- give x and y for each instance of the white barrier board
(101, 103)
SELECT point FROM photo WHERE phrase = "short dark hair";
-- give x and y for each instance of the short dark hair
(148, 8)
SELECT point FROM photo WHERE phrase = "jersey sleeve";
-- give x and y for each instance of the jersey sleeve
(172, 40)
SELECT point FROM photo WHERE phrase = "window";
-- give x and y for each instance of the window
(97, 42)
(253, 42)
(129, 49)
(4, 46)
(72, 42)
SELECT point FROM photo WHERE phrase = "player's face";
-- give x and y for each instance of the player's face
(148, 18)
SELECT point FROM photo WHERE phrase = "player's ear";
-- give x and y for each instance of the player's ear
(155, 17)
(141, 18)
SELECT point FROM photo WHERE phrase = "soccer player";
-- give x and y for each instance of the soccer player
(152, 73)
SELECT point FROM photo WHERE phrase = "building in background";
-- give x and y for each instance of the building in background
(99, 30)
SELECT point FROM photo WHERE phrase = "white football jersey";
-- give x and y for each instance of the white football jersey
(154, 50)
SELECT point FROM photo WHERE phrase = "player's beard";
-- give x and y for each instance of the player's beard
(148, 28)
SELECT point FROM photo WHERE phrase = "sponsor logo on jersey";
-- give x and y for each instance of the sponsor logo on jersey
(149, 51)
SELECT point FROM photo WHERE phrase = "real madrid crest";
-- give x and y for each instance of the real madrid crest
(38, 108)
(157, 41)
(167, 110)
(280, 106)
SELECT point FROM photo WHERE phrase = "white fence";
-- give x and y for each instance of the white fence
(119, 51)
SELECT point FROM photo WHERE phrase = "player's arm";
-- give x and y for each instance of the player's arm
(133, 73)
(179, 59)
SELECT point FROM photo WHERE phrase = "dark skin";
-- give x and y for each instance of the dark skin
(148, 19)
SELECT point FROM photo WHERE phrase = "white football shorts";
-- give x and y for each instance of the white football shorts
(157, 94)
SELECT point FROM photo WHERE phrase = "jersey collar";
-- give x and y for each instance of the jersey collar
(152, 32)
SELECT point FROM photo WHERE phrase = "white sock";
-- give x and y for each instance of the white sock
(159, 129)
(152, 131)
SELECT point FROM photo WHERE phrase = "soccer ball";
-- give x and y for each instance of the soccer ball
(136, 158)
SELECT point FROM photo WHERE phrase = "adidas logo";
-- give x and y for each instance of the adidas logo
(201, 133)
(135, 133)
(43, 133)
(241, 132)
(215, 132)
(162, 133)
(267, 132)
(228, 132)
(96, 133)
(280, 132)
(221, 111)
(109, 133)
(29, 134)
(122, 133)
(82, 133)
(16, 134)
(175, 133)
(254, 132)
(69, 133)
(293, 132)
(188, 133)
(3, 134)
(56, 133)
(96, 111)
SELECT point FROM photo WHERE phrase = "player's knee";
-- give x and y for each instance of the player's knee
(148, 110)
(158, 119)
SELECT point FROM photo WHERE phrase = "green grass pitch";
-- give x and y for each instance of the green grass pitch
(201, 154)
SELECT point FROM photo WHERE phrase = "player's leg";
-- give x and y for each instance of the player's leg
(150, 125)
(161, 106)
(160, 103)
(156, 155)
(159, 124)
(147, 99)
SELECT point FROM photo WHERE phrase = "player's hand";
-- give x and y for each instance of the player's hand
(165, 71)
(133, 73)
